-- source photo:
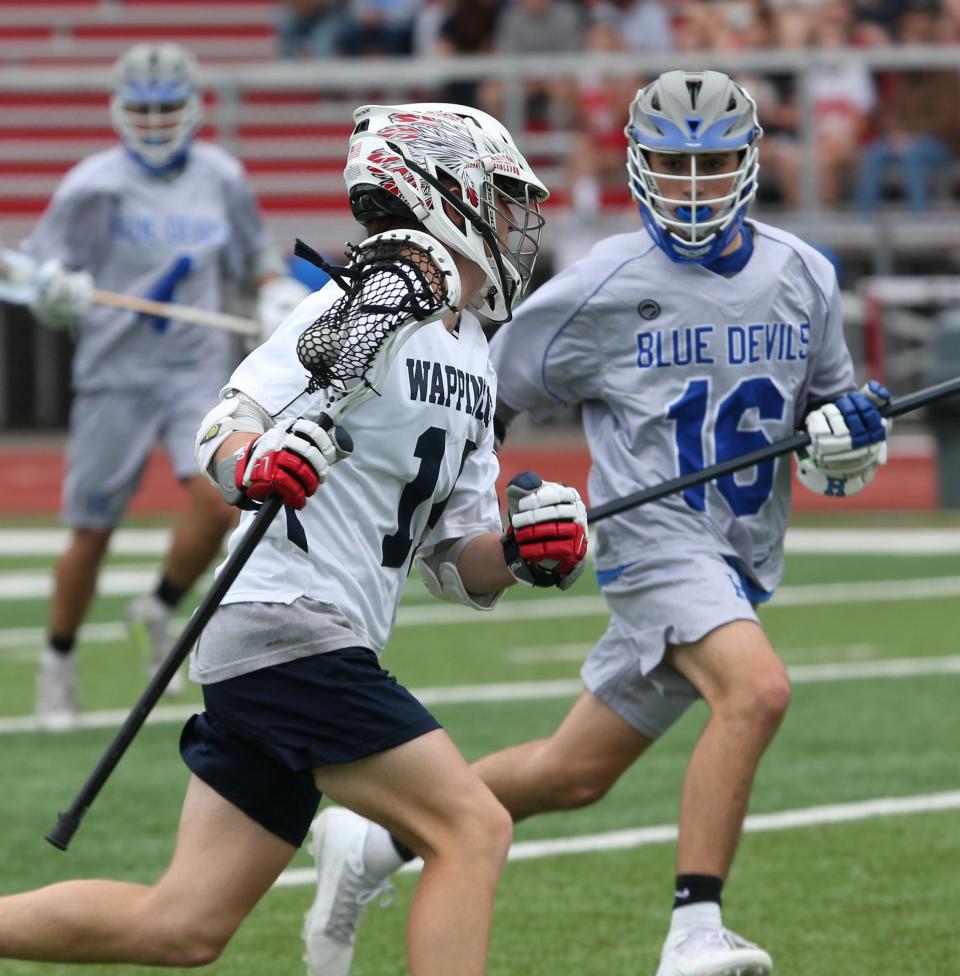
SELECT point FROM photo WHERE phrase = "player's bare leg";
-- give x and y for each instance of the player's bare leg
(196, 541)
(574, 767)
(425, 794)
(199, 535)
(75, 579)
(74, 585)
(746, 686)
(223, 864)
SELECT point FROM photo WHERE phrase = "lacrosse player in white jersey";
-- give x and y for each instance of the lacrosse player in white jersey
(164, 217)
(696, 339)
(296, 701)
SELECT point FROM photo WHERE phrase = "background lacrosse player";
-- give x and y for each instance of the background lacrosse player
(694, 340)
(296, 701)
(162, 217)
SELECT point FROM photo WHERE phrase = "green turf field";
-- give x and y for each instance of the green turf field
(869, 897)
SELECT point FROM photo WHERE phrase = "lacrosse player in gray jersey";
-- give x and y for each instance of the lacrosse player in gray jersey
(696, 339)
(163, 217)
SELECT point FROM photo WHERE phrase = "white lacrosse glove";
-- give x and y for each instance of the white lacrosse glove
(62, 295)
(276, 299)
(848, 442)
(546, 540)
(291, 460)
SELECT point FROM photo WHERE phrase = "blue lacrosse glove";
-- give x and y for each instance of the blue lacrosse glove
(848, 442)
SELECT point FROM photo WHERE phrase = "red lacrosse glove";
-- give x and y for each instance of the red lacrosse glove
(546, 540)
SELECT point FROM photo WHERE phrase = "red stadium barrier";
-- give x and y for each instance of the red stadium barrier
(32, 479)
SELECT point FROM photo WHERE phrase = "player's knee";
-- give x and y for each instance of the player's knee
(581, 786)
(182, 935)
(761, 703)
(481, 832)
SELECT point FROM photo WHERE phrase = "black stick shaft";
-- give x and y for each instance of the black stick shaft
(68, 822)
(787, 445)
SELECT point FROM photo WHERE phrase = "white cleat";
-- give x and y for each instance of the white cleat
(343, 892)
(148, 620)
(712, 952)
(57, 692)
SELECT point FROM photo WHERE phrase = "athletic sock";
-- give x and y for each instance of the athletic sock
(405, 852)
(693, 888)
(168, 594)
(699, 915)
(61, 645)
(380, 857)
(696, 902)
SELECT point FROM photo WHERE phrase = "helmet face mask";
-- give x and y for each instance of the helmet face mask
(700, 119)
(156, 107)
(456, 171)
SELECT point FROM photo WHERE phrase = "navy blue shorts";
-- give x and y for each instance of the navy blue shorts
(262, 734)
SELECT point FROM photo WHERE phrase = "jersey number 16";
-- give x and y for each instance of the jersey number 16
(690, 413)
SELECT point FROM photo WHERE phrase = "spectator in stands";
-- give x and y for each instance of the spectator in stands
(722, 25)
(644, 25)
(530, 27)
(603, 102)
(467, 27)
(843, 97)
(379, 27)
(170, 219)
(780, 154)
(311, 28)
(918, 121)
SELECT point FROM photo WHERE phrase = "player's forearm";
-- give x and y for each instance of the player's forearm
(482, 566)
(232, 444)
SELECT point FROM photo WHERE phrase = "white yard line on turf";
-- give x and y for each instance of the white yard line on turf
(619, 840)
(134, 580)
(512, 691)
(154, 542)
(814, 594)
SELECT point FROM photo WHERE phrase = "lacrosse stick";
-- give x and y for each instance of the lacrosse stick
(18, 285)
(787, 445)
(394, 284)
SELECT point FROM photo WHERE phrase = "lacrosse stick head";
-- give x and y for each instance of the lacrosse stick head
(394, 283)
(457, 172)
(694, 214)
(156, 107)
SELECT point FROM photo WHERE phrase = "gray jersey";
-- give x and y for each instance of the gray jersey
(677, 368)
(151, 236)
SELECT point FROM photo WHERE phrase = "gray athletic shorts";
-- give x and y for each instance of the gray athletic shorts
(670, 597)
(112, 434)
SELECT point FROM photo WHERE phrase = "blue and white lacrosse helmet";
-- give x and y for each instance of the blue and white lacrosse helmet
(156, 106)
(695, 113)
(457, 171)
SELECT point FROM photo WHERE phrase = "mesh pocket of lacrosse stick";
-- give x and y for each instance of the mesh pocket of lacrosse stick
(394, 283)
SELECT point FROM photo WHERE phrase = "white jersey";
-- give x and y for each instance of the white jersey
(678, 368)
(173, 238)
(422, 472)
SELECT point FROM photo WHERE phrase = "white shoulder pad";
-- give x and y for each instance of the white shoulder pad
(438, 569)
(235, 413)
(437, 251)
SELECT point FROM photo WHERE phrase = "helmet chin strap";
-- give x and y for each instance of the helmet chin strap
(507, 285)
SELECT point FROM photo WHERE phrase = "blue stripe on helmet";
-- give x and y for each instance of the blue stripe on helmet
(156, 91)
(676, 140)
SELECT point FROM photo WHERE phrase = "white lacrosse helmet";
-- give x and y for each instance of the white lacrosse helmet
(156, 106)
(457, 171)
(695, 112)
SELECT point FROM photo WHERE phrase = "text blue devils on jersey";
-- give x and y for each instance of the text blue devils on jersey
(676, 368)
